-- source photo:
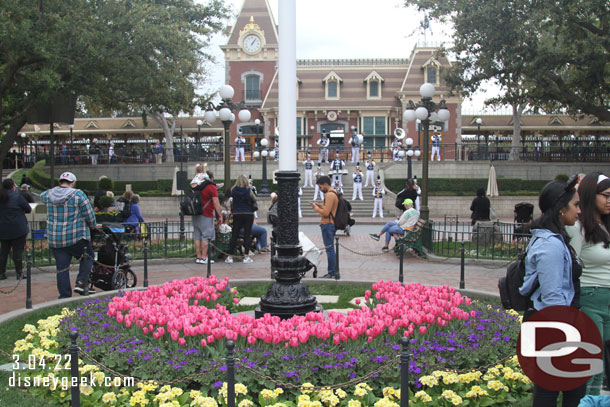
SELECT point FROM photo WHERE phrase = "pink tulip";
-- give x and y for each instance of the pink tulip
(423, 329)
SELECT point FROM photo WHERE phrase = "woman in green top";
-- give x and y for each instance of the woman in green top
(591, 242)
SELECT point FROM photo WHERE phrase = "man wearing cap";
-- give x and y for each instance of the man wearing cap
(240, 143)
(337, 169)
(308, 171)
(69, 218)
(357, 183)
(24, 191)
(323, 142)
(407, 221)
(378, 193)
(370, 170)
(317, 190)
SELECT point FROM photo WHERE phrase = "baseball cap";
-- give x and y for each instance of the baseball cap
(407, 202)
(68, 176)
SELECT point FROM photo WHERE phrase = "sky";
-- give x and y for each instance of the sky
(353, 29)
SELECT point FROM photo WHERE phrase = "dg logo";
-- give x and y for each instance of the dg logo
(560, 348)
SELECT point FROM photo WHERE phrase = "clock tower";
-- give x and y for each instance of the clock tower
(251, 54)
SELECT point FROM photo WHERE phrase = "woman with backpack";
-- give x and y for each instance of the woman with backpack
(551, 272)
(590, 240)
(13, 226)
(244, 202)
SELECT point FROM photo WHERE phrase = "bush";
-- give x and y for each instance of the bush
(562, 177)
(106, 184)
(106, 202)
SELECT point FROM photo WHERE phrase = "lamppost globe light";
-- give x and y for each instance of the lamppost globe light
(409, 115)
(401, 153)
(225, 114)
(265, 153)
(433, 117)
(272, 154)
(71, 126)
(257, 122)
(479, 121)
(409, 141)
(421, 113)
(256, 154)
(417, 153)
(410, 153)
(264, 142)
(244, 115)
(418, 121)
(23, 135)
(426, 90)
(444, 115)
(481, 137)
(209, 116)
(232, 117)
(312, 128)
(199, 122)
(226, 92)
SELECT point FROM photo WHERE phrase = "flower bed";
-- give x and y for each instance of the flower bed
(177, 332)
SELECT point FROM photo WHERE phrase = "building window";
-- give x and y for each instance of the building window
(332, 89)
(432, 75)
(253, 87)
(374, 126)
(300, 121)
(374, 89)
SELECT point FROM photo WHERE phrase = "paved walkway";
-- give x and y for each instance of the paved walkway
(360, 259)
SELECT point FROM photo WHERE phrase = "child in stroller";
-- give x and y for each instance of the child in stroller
(111, 268)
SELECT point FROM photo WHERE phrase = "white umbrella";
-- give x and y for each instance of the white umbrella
(492, 189)
(492, 183)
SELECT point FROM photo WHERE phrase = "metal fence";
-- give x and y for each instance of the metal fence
(485, 240)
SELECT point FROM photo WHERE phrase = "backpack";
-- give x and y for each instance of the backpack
(192, 204)
(508, 286)
(124, 208)
(341, 218)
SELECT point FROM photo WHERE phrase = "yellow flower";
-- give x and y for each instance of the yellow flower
(429, 381)
(360, 392)
(267, 394)
(354, 403)
(450, 378)
(342, 394)
(201, 401)
(173, 403)
(194, 394)
(384, 402)
(306, 388)
(240, 389)
(245, 403)
(86, 390)
(476, 391)
(423, 396)
(303, 397)
(109, 398)
(496, 385)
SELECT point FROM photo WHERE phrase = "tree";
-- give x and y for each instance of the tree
(554, 55)
(133, 55)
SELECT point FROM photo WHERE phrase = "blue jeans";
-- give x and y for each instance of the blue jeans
(63, 256)
(389, 229)
(260, 233)
(328, 236)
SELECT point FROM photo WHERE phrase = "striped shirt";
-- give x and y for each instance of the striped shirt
(68, 218)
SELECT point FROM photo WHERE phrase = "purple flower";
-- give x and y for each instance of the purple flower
(217, 385)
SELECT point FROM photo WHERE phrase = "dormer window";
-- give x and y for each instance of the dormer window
(333, 86)
(252, 81)
(431, 71)
(373, 85)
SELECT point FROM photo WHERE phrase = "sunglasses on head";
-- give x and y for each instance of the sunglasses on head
(571, 184)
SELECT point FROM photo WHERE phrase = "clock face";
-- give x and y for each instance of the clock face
(252, 43)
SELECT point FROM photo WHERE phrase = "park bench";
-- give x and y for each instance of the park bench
(411, 239)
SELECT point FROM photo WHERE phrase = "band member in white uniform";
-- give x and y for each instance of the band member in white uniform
(370, 170)
(338, 188)
(378, 193)
(436, 147)
(240, 143)
(308, 171)
(417, 187)
(323, 142)
(299, 200)
(357, 183)
(253, 188)
(318, 174)
(336, 168)
(396, 149)
(277, 148)
(354, 141)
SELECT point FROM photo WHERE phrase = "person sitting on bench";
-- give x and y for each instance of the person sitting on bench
(407, 221)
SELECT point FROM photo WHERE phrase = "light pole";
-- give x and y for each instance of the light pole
(418, 132)
(71, 142)
(198, 149)
(225, 111)
(23, 153)
(410, 153)
(425, 111)
(264, 191)
(479, 121)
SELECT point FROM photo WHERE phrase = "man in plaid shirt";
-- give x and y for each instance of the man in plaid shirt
(69, 218)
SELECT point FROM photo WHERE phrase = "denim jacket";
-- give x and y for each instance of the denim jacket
(548, 261)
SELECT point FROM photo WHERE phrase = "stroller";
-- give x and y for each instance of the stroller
(111, 269)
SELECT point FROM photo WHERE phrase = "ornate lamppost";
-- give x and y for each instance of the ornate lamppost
(426, 112)
(226, 115)
(198, 149)
(409, 153)
(264, 191)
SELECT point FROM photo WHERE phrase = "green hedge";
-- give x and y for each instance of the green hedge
(469, 186)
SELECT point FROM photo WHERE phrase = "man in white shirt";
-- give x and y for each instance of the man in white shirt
(308, 164)
(378, 193)
(354, 141)
(407, 221)
(370, 170)
(357, 183)
(337, 169)
(323, 142)
(436, 147)
(240, 144)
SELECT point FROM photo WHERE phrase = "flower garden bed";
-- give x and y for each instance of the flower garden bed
(174, 335)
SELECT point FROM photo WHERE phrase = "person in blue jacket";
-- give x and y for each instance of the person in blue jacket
(551, 272)
(13, 226)
(134, 215)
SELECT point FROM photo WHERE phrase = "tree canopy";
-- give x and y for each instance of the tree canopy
(129, 55)
(551, 54)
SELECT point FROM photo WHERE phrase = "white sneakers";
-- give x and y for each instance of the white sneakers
(199, 261)
(248, 260)
(203, 261)
(229, 260)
